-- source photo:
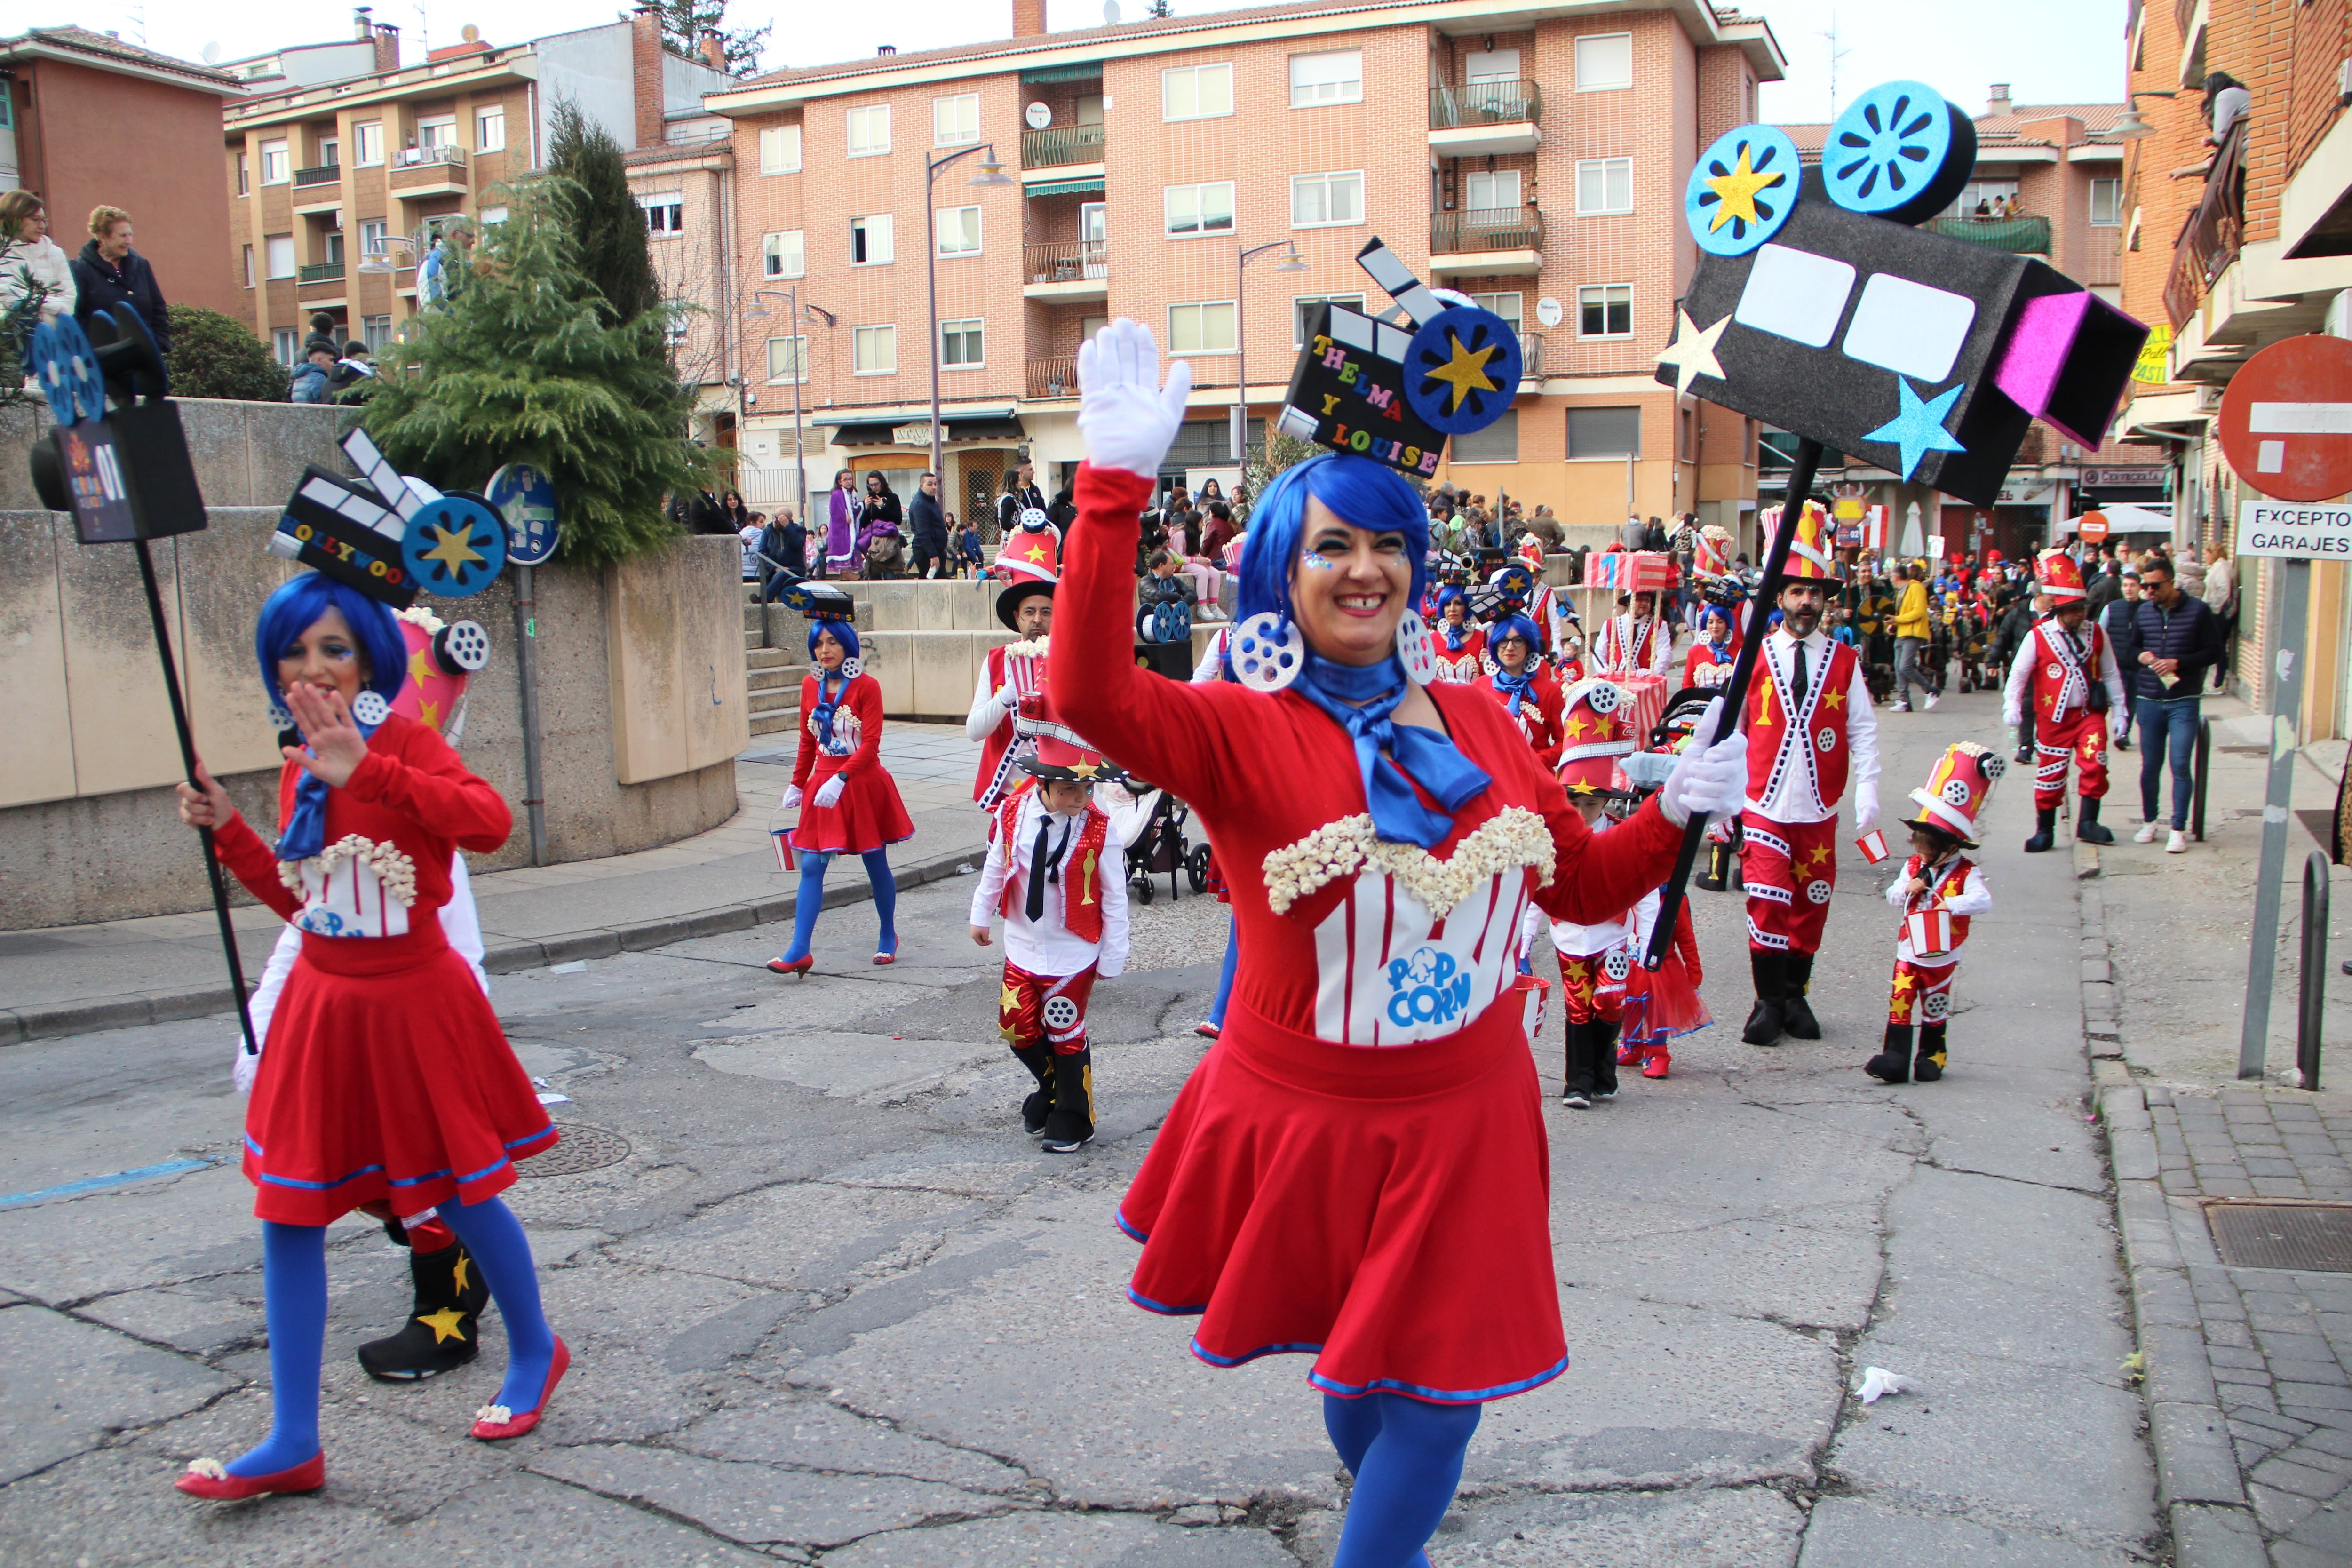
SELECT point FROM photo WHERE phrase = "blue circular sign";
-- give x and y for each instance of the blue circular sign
(65, 367)
(453, 546)
(525, 496)
(1462, 369)
(1899, 151)
(1741, 190)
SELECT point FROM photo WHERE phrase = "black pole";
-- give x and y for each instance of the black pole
(2312, 1001)
(1801, 466)
(2197, 790)
(188, 764)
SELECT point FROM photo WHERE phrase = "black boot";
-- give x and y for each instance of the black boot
(1796, 974)
(1070, 1126)
(1039, 1060)
(1575, 1065)
(443, 1330)
(1765, 1023)
(1928, 1065)
(1604, 1058)
(2088, 828)
(2045, 832)
(1893, 1064)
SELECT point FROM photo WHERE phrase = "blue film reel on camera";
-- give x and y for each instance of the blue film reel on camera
(64, 362)
(1462, 369)
(454, 545)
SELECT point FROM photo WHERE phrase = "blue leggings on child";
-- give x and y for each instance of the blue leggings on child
(1406, 1455)
(810, 902)
(1225, 975)
(493, 1235)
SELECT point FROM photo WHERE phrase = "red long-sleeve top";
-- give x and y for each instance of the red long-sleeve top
(862, 698)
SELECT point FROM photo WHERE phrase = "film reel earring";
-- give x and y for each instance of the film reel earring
(1267, 652)
(1416, 648)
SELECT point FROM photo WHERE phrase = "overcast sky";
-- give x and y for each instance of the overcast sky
(2049, 51)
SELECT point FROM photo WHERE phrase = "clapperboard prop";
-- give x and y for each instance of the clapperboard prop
(391, 536)
(1392, 387)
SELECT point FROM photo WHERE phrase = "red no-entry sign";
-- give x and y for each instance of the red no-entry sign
(2286, 419)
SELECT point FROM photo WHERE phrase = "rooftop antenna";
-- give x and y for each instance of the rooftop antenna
(137, 15)
(1836, 54)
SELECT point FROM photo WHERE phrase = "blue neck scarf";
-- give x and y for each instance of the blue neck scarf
(828, 702)
(1515, 689)
(305, 833)
(1454, 635)
(1385, 750)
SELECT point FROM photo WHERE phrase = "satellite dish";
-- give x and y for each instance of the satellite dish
(1039, 115)
(1110, 13)
(212, 54)
(470, 33)
(1548, 310)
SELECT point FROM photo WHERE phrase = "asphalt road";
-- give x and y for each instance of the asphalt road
(833, 1305)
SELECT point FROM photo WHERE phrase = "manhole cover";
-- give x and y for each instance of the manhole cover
(580, 1148)
(2316, 1237)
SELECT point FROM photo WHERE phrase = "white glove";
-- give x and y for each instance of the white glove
(829, 792)
(1127, 418)
(1865, 807)
(792, 798)
(2119, 726)
(247, 1064)
(1710, 778)
(1005, 698)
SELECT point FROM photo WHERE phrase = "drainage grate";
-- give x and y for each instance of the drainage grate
(580, 1148)
(2311, 1236)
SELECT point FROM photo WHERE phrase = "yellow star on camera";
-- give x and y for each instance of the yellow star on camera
(1465, 371)
(1735, 192)
(452, 551)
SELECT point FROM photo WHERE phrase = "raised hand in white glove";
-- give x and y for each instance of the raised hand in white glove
(1865, 807)
(829, 792)
(1127, 418)
(1710, 778)
(792, 798)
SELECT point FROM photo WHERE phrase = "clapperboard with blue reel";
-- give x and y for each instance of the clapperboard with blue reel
(390, 535)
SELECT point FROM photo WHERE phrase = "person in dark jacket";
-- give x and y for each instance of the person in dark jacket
(785, 540)
(2179, 641)
(928, 527)
(109, 273)
(1021, 493)
(2120, 620)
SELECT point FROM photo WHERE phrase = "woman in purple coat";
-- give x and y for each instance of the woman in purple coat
(841, 525)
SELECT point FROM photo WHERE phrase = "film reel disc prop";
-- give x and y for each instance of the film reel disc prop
(1267, 654)
(1742, 190)
(461, 646)
(1462, 369)
(64, 364)
(1900, 152)
(453, 546)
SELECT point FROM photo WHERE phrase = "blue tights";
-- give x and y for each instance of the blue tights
(1226, 976)
(811, 902)
(294, 1283)
(1406, 1455)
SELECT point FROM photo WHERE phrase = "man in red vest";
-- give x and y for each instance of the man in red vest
(2067, 667)
(1029, 561)
(1811, 731)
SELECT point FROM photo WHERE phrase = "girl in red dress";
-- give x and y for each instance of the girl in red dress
(387, 1078)
(1459, 641)
(849, 802)
(1527, 691)
(1711, 657)
(1359, 1167)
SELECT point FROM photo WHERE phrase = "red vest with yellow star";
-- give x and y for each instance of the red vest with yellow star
(1081, 867)
(1811, 740)
(2063, 674)
(1948, 885)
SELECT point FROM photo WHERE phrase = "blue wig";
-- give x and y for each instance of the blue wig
(1515, 626)
(845, 633)
(297, 605)
(1362, 492)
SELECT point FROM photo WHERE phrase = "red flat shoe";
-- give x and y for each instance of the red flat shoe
(1208, 1031)
(792, 966)
(207, 1478)
(496, 1423)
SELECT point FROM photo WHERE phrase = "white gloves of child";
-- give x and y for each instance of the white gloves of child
(1129, 419)
(1865, 806)
(792, 801)
(1710, 778)
(829, 792)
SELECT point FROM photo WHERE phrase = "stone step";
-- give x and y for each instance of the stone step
(766, 658)
(766, 681)
(751, 620)
(774, 723)
(771, 699)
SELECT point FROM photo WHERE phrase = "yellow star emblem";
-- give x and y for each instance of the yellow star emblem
(458, 1270)
(1576, 728)
(419, 672)
(446, 1323)
(429, 715)
(1817, 854)
(1085, 770)
(1465, 371)
(1903, 982)
(1009, 998)
(452, 551)
(1735, 192)
(1834, 699)
(1692, 353)
(1036, 552)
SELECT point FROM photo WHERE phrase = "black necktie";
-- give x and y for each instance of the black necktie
(1037, 865)
(1797, 689)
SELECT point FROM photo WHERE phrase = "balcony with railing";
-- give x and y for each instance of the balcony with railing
(1483, 117)
(1062, 146)
(320, 272)
(2021, 235)
(1487, 241)
(1531, 356)
(427, 170)
(2209, 240)
(1056, 377)
(1065, 269)
(324, 174)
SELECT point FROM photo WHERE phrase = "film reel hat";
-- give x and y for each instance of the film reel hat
(1596, 719)
(442, 657)
(1061, 756)
(1031, 558)
(2060, 575)
(1958, 791)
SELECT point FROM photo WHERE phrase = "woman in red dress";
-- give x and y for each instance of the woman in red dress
(1717, 649)
(1358, 1168)
(849, 802)
(387, 1078)
(1526, 690)
(1460, 642)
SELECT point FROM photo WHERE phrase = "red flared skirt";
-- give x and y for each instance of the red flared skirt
(868, 816)
(1662, 1006)
(1386, 1210)
(387, 1077)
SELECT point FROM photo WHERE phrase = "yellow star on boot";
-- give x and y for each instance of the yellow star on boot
(458, 1270)
(448, 1324)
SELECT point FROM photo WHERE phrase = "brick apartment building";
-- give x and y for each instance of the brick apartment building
(337, 188)
(1529, 152)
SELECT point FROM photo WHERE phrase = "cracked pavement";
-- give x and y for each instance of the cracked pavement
(833, 1306)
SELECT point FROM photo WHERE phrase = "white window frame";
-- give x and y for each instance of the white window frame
(1519, 181)
(276, 155)
(1584, 38)
(367, 143)
(1200, 219)
(1601, 169)
(250, 276)
(888, 233)
(436, 130)
(966, 327)
(490, 129)
(861, 124)
(1516, 315)
(1478, 69)
(2115, 219)
(1194, 76)
(1604, 289)
(1298, 303)
(491, 216)
(795, 357)
(330, 152)
(780, 150)
(784, 254)
(273, 246)
(865, 345)
(670, 202)
(952, 107)
(1200, 305)
(375, 238)
(244, 174)
(940, 224)
(376, 332)
(285, 344)
(1332, 183)
(1342, 89)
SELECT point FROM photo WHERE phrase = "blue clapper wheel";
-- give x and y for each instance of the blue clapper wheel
(1741, 190)
(1462, 369)
(1899, 151)
(453, 546)
(66, 365)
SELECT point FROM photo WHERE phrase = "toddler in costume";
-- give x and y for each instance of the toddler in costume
(1938, 892)
(1596, 958)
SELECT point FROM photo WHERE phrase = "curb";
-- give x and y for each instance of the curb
(19, 1025)
(2197, 1484)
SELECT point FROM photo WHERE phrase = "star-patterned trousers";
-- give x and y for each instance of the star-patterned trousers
(1045, 1009)
(2082, 739)
(1589, 990)
(1924, 987)
(1790, 870)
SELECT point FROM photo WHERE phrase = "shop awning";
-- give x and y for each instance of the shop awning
(1085, 70)
(985, 424)
(904, 413)
(1065, 187)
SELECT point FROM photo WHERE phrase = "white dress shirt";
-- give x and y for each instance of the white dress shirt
(1795, 796)
(1047, 946)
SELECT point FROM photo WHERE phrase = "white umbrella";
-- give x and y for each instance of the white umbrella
(2125, 518)
(1915, 540)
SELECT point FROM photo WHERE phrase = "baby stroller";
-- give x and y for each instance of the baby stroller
(1972, 637)
(1152, 830)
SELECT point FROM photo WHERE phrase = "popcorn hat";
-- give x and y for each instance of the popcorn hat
(1030, 557)
(1958, 790)
(1060, 754)
(1809, 553)
(2059, 575)
(1597, 718)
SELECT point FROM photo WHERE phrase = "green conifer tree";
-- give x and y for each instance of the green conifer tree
(606, 217)
(526, 366)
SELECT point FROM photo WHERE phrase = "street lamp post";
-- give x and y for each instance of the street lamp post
(792, 298)
(1293, 262)
(991, 173)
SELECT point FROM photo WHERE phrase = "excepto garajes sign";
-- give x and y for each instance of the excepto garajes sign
(2296, 530)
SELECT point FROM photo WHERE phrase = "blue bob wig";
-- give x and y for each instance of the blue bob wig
(1361, 492)
(1515, 626)
(844, 633)
(297, 605)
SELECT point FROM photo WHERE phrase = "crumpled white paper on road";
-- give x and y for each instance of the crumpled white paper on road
(1878, 1381)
